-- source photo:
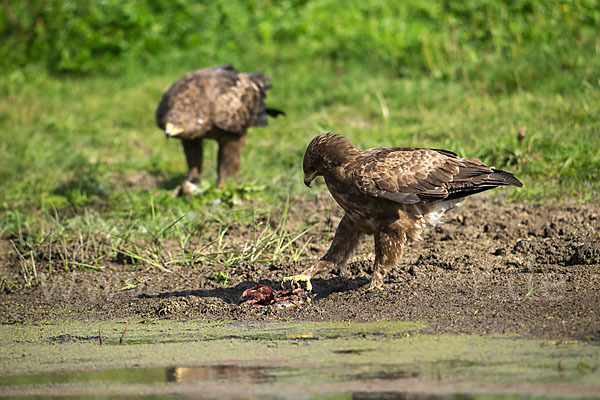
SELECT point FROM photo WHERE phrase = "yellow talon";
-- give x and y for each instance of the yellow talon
(300, 278)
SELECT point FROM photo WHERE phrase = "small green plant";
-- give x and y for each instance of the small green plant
(28, 266)
(128, 285)
(7, 284)
(220, 277)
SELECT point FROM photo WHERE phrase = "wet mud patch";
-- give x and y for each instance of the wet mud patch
(490, 268)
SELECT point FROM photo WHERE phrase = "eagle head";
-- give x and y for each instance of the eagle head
(184, 126)
(325, 152)
(173, 129)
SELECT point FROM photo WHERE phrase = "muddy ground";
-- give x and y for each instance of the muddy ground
(490, 268)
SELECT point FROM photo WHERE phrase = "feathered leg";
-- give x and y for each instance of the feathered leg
(389, 245)
(228, 162)
(344, 242)
(193, 150)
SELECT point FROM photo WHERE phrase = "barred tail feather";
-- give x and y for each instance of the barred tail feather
(274, 112)
(496, 178)
(506, 178)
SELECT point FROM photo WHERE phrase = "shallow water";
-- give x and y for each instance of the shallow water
(305, 360)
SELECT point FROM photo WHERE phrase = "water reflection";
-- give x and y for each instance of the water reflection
(410, 396)
(227, 381)
(198, 374)
(224, 373)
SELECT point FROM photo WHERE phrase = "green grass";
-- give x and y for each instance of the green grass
(85, 174)
(81, 142)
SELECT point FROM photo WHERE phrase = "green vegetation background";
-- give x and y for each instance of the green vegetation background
(80, 80)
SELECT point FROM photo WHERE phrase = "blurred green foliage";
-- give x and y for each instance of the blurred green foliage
(444, 38)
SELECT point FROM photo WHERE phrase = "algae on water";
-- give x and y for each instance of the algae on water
(317, 354)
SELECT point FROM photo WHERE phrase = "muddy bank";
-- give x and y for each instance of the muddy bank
(491, 268)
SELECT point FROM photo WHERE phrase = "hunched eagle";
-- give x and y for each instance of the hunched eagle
(390, 193)
(217, 103)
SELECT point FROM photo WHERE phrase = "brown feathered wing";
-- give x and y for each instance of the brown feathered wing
(239, 104)
(408, 175)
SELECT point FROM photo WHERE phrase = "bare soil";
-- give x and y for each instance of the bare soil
(491, 268)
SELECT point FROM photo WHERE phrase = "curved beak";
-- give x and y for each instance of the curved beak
(172, 130)
(309, 179)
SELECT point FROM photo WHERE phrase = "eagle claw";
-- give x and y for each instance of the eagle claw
(187, 188)
(374, 288)
(298, 278)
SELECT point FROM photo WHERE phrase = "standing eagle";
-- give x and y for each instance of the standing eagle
(390, 194)
(216, 103)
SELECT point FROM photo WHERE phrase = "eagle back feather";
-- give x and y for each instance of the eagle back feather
(412, 175)
(220, 96)
(239, 103)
